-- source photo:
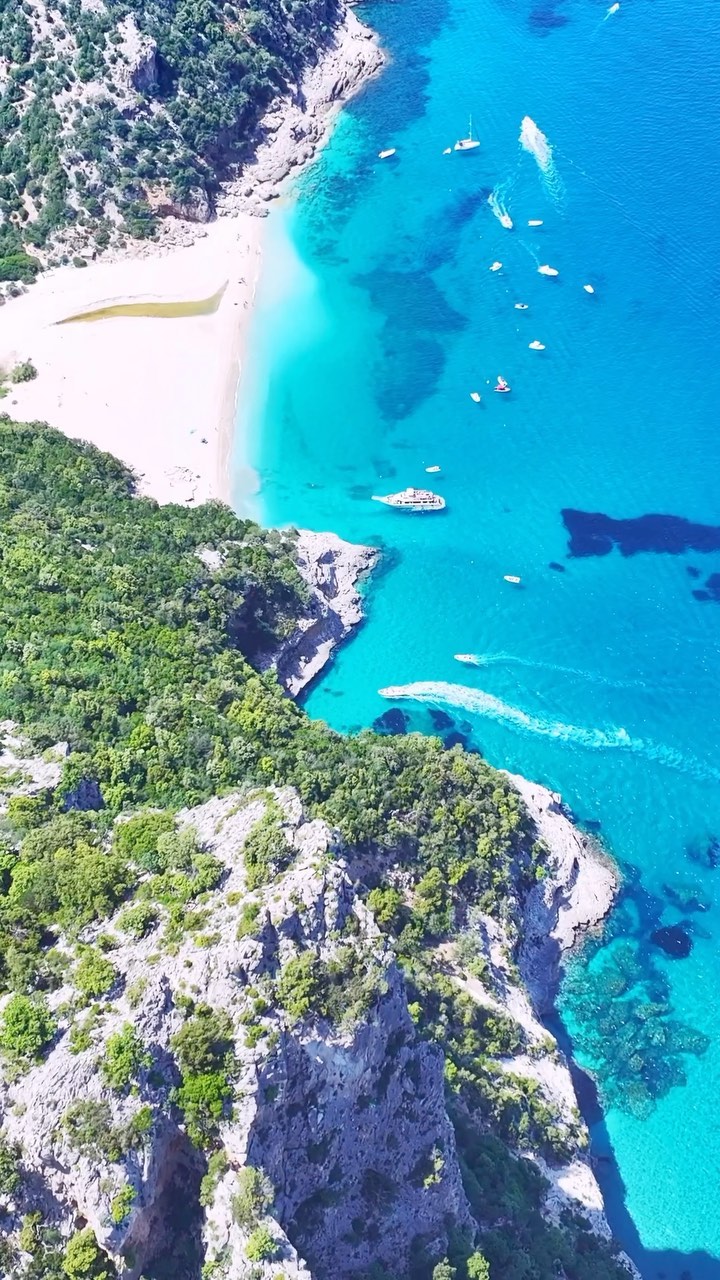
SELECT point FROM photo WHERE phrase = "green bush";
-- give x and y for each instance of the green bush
(89, 1127)
(10, 1177)
(261, 1247)
(139, 920)
(248, 920)
(84, 1260)
(300, 985)
(266, 851)
(121, 1205)
(137, 838)
(24, 372)
(203, 1101)
(478, 1268)
(94, 975)
(204, 1042)
(217, 1167)
(123, 1057)
(254, 1194)
(26, 1028)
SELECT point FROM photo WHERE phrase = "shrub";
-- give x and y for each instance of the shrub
(84, 1260)
(299, 985)
(88, 1124)
(24, 372)
(138, 920)
(266, 850)
(94, 974)
(137, 838)
(478, 1268)
(254, 1193)
(216, 1168)
(248, 920)
(261, 1247)
(204, 1042)
(387, 906)
(123, 1058)
(27, 1026)
(121, 1204)
(9, 1167)
(202, 1100)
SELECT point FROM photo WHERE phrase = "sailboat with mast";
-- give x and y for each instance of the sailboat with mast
(467, 144)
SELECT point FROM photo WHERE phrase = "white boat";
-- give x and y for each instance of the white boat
(475, 395)
(430, 470)
(510, 577)
(588, 288)
(506, 221)
(521, 306)
(535, 222)
(469, 658)
(469, 143)
(536, 346)
(412, 500)
(385, 155)
(496, 266)
(548, 271)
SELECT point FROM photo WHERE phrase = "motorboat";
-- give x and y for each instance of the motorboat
(521, 306)
(469, 659)
(412, 500)
(496, 266)
(511, 577)
(536, 346)
(588, 288)
(535, 222)
(469, 143)
(385, 155)
(431, 470)
(548, 271)
(502, 386)
(475, 395)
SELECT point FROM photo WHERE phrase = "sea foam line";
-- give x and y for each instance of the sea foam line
(486, 704)
(533, 140)
(511, 659)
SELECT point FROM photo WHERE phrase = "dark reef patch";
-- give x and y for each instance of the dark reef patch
(393, 721)
(673, 940)
(441, 720)
(456, 739)
(542, 21)
(692, 571)
(686, 897)
(711, 590)
(559, 568)
(594, 534)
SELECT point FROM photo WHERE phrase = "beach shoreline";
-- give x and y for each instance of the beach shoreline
(161, 392)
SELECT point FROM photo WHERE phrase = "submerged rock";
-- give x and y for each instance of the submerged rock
(673, 940)
(392, 721)
(686, 897)
(441, 720)
(455, 739)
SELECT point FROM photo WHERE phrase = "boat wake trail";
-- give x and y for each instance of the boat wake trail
(485, 704)
(510, 659)
(496, 200)
(533, 140)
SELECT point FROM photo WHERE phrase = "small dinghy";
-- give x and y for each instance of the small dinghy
(521, 306)
(545, 270)
(511, 577)
(535, 222)
(588, 288)
(385, 155)
(447, 151)
(536, 346)
(431, 470)
(475, 395)
(502, 387)
(496, 266)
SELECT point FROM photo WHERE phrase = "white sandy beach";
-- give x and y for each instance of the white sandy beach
(158, 392)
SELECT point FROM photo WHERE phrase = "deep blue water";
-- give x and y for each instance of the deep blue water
(377, 315)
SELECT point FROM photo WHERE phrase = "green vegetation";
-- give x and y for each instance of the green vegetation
(121, 1205)
(254, 1194)
(10, 1176)
(66, 154)
(94, 975)
(341, 990)
(84, 1259)
(203, 1048)
(123, 1057)
(266, 851)
(26, 1028)
(261, 1246)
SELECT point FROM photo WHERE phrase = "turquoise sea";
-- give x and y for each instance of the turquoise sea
(377, 316)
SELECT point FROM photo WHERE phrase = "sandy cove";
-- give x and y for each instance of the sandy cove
(158, 392)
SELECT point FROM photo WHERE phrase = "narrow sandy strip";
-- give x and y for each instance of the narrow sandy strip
(160, 393)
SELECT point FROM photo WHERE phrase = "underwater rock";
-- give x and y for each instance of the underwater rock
(673, 940)
(456, 740)
(559, 568)
(708, 856)
(392, 721)
(441, 720)
(686, 896)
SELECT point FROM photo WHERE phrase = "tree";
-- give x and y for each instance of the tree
(94, 974)
(84, 1260)
(10, 1176)
(26, 1027)
(478, 1268)
(299, 985)
(443, 1271)
(123, 1058)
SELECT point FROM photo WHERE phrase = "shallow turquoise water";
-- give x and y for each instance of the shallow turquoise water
(377, 316)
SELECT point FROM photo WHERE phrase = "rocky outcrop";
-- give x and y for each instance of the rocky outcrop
(138, 57)
(347, 1118)
(196, 207)
(574, 896)
(332, 569)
